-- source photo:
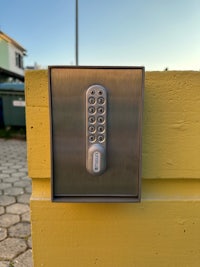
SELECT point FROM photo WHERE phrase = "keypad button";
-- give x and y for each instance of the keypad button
(100, 138)
(91, 110)
(100, 128)
(91, 119)
(91, 128)
(100, 110)
(91, 100)
(100, 119)
(91, 138)
(92, 92)
(100, 100)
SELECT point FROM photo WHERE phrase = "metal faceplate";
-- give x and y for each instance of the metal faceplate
(95, 145)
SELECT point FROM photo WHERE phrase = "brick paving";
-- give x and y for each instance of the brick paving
(15, 191)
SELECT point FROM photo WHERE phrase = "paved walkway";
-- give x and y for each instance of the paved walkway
(15, 191)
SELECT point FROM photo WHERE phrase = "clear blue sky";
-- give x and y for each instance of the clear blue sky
(152, 33)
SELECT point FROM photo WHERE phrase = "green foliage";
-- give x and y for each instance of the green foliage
(13, 132)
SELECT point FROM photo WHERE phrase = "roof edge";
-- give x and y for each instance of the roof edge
(11, 74)
(12, 41)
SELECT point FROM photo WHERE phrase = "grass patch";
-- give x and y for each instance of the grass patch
(14, 132)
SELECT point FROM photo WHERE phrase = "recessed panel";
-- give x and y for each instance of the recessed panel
(95, 143)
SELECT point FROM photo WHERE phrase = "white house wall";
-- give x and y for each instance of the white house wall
(12, 59)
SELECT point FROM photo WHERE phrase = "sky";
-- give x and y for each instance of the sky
(157, 34)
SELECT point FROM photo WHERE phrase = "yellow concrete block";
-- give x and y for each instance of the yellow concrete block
(37, 123)
(171, 125)
(147, 234)
(38, 145)
(152, 189)
(36, 84)
(41, 189)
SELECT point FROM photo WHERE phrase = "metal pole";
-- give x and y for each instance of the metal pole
(76, 22)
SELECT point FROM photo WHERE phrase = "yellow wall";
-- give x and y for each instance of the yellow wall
(162, 230)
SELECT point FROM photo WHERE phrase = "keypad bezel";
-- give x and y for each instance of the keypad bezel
(96, 115)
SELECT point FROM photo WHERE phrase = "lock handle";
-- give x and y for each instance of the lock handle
(96, 162)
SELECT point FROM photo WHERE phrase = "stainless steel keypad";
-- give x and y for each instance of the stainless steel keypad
(96, 119)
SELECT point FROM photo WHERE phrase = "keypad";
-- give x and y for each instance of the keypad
(96, 102)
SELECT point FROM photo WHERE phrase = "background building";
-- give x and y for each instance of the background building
(11, 59)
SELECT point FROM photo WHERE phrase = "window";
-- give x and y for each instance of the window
(19, 60)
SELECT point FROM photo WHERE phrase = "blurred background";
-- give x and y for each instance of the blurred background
(161, 35)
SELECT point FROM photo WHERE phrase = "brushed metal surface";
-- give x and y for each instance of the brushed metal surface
(70, 179)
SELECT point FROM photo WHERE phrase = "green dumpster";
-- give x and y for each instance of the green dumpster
(12, 104)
